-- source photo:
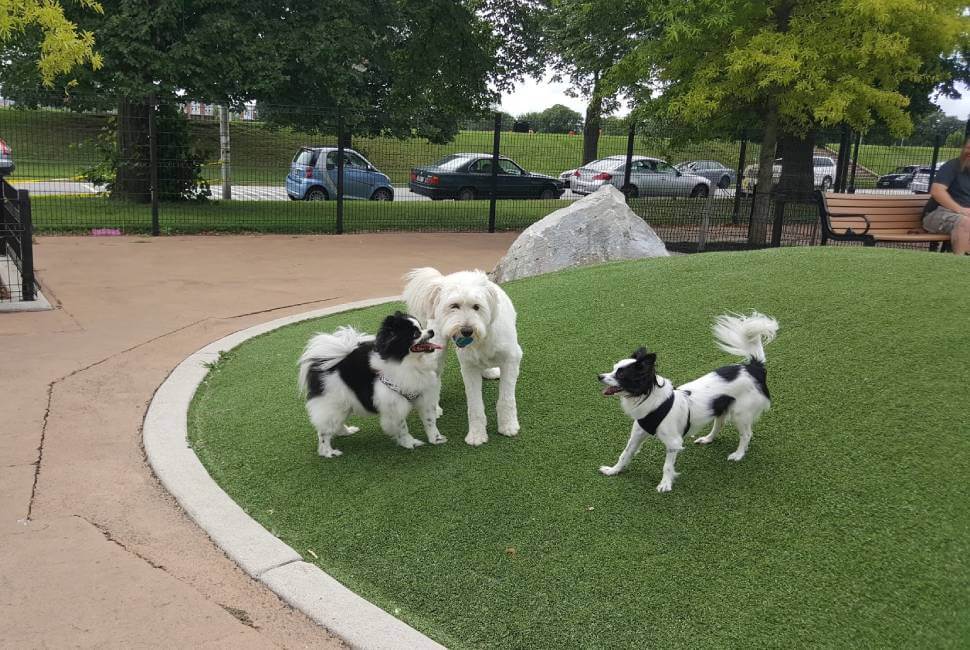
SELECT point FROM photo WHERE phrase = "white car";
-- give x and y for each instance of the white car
(648, 177)
(824, 171)
(921, 180)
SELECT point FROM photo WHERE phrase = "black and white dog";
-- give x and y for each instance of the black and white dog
(736, 393)
(351, 372)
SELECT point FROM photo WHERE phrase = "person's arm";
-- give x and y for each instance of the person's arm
(941, 194)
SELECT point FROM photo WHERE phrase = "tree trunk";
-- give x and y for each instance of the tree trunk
(592, 125)
(132, 181)
(797, 182)
(225, 152)
(761, 214)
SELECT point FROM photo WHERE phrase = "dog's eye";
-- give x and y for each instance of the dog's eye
(475, 307)
(454, 306)
(416, 335)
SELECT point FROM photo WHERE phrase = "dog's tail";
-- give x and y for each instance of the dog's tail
(324, 351)
(421, 290)
(745, 336)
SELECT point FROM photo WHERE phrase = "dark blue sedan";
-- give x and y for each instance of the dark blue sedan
(468, 176)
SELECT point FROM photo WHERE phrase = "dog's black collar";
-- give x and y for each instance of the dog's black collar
(652, 420)
(397, 389)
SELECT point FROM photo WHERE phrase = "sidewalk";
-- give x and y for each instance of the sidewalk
(95, 553)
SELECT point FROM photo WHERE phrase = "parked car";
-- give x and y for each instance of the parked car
(566, 176)
(900, 178)
(6, 159)
(824, 174)
(712, 170)
(921, 179)
(313, 176)
(648, 177)
(467, 176)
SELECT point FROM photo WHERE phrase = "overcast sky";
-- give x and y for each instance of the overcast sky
(532, 95)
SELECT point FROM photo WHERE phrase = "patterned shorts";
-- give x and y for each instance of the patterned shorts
(941, 220)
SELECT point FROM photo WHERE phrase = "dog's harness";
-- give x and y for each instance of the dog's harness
(397, 389)
(651, 421)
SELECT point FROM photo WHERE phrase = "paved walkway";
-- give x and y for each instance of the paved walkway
(94, 552)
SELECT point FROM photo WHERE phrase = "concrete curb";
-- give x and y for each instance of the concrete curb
(267, 559)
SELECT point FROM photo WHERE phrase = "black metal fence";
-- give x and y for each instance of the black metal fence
(136, 168)
(16, 245)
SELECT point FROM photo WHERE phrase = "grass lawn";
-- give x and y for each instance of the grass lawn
(848, 523)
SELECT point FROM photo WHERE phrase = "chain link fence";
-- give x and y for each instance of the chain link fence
(125, 166)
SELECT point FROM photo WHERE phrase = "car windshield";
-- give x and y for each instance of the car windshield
(908, 169)
(452, 162)
(305, 157)
(603, 165)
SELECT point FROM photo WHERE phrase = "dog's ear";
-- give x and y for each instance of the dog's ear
(386, 334)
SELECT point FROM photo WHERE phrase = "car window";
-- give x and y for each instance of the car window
(483, 166)
(702, 166)
(305, 157)
(354, 159)
(821, 161)
(604, 164)
(664, 168)
(510, 168)
(451, 163)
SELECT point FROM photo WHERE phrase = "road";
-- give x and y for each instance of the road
(239, 192)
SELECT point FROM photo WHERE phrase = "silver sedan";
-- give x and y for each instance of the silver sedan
(712, 170)
(648, 177)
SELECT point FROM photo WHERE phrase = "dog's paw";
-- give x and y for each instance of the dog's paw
(736, 456)
(704, 441)
(476, 438)
(510, 429)
(607, 470)
(491, 373)
(665, 486)
(437, 439)
(329, 453)
(439, 411)
(410, 443)
(349, 431)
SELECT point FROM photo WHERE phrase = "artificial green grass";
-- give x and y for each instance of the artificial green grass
(847, 524)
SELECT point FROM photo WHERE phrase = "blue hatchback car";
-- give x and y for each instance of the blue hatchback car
(313, 176)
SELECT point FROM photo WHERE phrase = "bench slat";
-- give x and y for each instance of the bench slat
(855, 209)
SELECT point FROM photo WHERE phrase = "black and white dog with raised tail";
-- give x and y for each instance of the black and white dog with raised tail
(737, 393)
(388, 374)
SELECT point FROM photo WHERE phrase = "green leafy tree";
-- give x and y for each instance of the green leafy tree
(559, 119)
(584, 39)
(60, 46)
(798, 64)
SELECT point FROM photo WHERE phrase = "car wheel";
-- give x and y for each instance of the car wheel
(465, 194)
(631, 191)
(382, 194)
(316, 194)
(549, 193)
(700, 192)
(724, 182)
(826, 183)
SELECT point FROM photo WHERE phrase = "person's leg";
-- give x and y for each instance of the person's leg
(954, 224)
(960, 236)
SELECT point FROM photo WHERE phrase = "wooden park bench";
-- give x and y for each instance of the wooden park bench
(873, 218)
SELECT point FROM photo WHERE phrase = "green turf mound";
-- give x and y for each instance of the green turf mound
(848, 523)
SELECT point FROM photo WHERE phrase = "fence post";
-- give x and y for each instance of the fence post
(496, 141)
(779, 221)
(841, 162)
(966, 131)
(340, 173)
(26, 245)
(855, 162)
(153, 162)
(936, 156)
(739, 178)
(629, 160)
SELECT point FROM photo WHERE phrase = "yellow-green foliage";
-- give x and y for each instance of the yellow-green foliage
(819, 62)
(63, 46)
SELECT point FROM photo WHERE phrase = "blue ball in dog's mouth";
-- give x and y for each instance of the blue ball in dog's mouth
(462, 341)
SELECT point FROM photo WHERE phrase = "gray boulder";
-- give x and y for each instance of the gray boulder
(597, 228)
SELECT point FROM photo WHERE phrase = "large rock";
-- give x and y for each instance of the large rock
(597, 228)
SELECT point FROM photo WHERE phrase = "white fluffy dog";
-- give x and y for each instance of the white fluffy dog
(475, 314)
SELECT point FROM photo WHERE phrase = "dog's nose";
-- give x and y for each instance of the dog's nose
(600, 376)
(467, 331)
(430, 334)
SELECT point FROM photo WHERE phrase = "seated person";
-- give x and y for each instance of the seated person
(948, 210)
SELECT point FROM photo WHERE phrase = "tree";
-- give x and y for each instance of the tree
(61, 46)
(585, 38)
(559, 119)
(798, 64)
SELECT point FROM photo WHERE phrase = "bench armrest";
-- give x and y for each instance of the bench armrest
(849, 231)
